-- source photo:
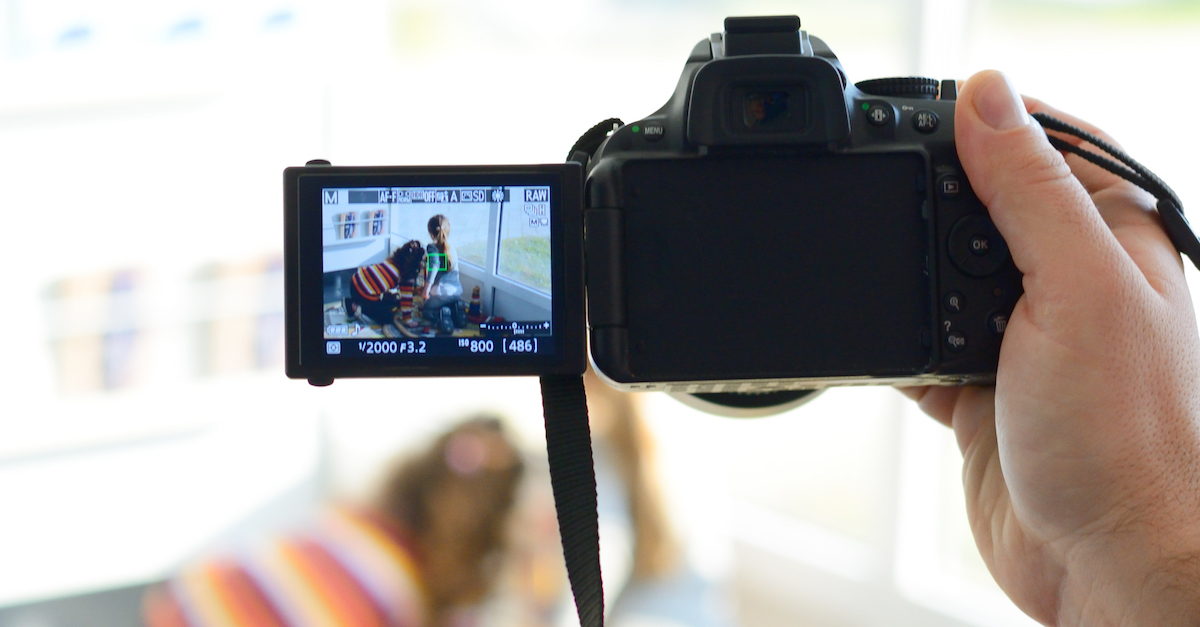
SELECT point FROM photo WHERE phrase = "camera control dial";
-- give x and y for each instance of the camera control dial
(908, 87)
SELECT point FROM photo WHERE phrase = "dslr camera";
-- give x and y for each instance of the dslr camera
(772, 228)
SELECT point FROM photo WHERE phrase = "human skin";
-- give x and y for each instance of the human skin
(1081, 466)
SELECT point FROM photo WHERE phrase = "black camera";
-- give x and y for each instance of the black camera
(773, 227)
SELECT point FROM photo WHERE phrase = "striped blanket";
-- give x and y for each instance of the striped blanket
(353, 569)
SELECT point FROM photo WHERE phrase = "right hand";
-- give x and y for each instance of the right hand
(1082, 465)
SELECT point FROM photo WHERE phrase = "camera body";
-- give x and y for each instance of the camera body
(772, 228)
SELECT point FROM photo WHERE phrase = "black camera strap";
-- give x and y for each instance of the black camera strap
(573, 478)
(1181, 233)
(569, 449)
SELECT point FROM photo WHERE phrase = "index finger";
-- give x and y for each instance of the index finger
(937, 401)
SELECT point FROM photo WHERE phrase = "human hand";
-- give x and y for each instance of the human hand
(1081, 466)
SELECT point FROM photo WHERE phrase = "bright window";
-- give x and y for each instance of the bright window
(525, 244)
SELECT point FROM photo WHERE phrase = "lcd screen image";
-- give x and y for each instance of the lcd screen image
(443, 270)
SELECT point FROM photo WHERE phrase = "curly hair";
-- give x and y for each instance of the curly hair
(408, 259)
(455, 500)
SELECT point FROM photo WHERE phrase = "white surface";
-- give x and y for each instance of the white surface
(123, 513)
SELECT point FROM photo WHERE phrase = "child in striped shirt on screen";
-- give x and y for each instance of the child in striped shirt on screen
(379, 289)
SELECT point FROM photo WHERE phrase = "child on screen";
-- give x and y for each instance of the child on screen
(442, 285)
(374, 287)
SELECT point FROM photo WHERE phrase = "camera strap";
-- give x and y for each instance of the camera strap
(573, 478)
(1180, 232)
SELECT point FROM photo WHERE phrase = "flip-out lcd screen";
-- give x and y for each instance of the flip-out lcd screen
(419, 269)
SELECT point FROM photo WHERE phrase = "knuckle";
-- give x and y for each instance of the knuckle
(1043, 167)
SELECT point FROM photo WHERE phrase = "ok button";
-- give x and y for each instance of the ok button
(975, 246)
(979, 245)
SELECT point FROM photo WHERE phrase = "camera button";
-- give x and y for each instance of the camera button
(954, 302)
(975, 246)
(880, 114)
(997, 323)
(979, 245)
(950, 187)
(653, 131)
(925, 121)
(949, 90)
(956, 341)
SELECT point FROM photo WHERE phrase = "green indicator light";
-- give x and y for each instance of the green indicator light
(866, 106)
(637, 129)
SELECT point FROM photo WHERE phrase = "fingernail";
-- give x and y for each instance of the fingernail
(998, 103)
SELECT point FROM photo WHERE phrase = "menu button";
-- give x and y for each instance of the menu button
(653, 131)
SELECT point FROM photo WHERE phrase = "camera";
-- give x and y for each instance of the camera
(773, 227)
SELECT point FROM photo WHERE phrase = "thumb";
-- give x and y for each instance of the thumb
(1056, 235)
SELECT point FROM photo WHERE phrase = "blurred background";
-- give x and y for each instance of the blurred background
(144, 415)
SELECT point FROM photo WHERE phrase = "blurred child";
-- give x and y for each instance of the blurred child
(422, 554)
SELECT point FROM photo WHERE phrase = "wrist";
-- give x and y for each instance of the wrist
(1139, 585)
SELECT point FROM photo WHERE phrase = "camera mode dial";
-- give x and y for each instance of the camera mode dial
(910, 87)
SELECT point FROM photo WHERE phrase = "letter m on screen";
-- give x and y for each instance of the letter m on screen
(537, 194)
(330, 196)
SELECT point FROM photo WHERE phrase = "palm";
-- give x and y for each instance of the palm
(1013, 552)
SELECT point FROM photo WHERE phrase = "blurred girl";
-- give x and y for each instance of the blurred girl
(418, 557)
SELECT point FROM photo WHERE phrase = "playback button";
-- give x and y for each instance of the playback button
(950, 187)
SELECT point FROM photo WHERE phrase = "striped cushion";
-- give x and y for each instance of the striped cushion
(354, 569)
